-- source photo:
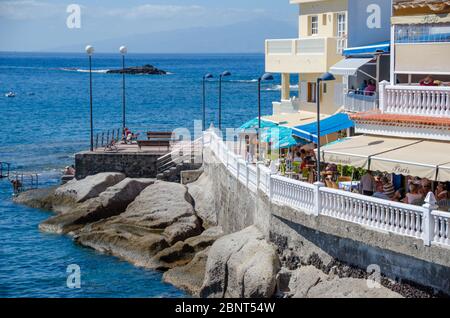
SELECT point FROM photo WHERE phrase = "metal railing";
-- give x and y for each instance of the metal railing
(4, 169)
(22, 182)
(103, 139)
(182, 152)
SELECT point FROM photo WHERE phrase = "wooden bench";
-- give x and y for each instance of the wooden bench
(156, 139)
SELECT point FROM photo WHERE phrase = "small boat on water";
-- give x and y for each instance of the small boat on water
(10, 94)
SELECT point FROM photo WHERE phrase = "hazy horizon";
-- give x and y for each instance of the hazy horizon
(171, 26)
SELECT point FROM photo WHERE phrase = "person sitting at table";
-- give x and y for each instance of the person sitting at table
(298, 157)
(399, 195)
(367, 185)
(388, 190)
(427, 81)
(363, 87)
(413, 197)
(371, 88)
(441, 192)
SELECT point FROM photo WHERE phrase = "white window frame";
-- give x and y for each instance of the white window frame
(314, 25)
(341, 31)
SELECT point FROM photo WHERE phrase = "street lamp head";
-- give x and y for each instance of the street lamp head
(123, 50)
(226, 73)
(89, 50)
(208, 76)
(327, 77)
(267, 77)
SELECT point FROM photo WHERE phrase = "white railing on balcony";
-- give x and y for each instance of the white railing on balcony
(293, 193)
(381, 214)
(415, 100)
(441, 230)
(296, 46)
(421, 222)
(355, 101)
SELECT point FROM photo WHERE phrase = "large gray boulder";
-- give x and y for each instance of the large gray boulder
(37, 198)
(77, 191)
(241, 265)
(201, 192)
(148, 225)
(190, 276)
(310, 282)
(113, 201)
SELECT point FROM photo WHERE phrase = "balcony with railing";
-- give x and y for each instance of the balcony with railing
(430, 101)
(307, 55)
(357, 101)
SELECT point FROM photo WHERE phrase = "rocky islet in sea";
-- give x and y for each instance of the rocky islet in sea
(138, 70)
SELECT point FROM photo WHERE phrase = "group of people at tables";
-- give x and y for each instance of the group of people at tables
(300, 164)
(417, 189)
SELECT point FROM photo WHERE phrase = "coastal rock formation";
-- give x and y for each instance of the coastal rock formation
(310, 282)
(139, 70)
(204, 200)
(113, 201)
(77, 191)
(182, 252)
(241, 264)
(159, 217)
(37, 198)
(189, 277)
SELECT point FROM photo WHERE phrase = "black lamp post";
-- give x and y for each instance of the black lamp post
(326, 77)
(265, 77)
(205, 77)
(90, 51)
(221, 76)
(123, 50)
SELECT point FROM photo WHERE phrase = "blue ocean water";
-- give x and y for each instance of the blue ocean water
(48, 121)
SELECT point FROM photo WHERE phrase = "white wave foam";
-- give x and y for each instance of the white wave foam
(278, 87)
(83, 70)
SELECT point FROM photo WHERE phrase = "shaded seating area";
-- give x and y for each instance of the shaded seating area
(401, 169)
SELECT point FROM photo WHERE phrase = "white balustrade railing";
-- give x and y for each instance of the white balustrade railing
(385, 215)
(293, 193)
(421, 222)
(440, 222)
(415, 100)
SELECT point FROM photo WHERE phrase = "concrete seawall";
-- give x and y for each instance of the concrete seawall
(133, 165)
(306, 236)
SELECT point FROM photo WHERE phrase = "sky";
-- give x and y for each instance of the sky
(41, 25)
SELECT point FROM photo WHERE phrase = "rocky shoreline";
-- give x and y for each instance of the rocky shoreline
(173, 228)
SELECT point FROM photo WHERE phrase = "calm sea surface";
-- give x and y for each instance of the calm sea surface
(48, 121)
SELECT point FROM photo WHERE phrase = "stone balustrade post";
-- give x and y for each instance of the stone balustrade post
(270, 185)
(247, 173)
(382, 95)
(317, 199)
(428, 221)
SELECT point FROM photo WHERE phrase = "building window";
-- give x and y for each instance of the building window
(312, 92)
(314, 25)
(422, 33)
(341, 25)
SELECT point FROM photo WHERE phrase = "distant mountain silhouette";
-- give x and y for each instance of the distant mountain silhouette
(244, 37)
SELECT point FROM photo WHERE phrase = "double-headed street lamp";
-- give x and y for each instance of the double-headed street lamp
(326, 77)
(205, 78)
(90, 51)
(221, 76)
(123, 50)
(265, 77)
